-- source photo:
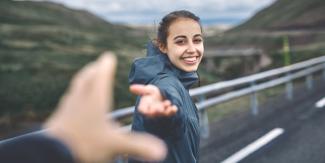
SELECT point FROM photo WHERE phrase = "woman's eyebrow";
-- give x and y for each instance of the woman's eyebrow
(181, 36)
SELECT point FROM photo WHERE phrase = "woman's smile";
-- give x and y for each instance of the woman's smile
(191, 60)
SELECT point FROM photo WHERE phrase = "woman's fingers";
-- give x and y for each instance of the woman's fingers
(170, 111)
(140, 89)
(144, 90)
(144, 105)
(151, 103)
(167, 103)
(158, 109)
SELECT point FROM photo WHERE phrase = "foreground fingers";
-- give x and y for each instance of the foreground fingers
(83, 108)
(136, 145)
(102, 92)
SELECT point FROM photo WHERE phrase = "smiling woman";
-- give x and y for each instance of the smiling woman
(164, 107)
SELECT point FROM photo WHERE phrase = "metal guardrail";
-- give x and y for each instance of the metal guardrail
(256, 82)
(256, 77)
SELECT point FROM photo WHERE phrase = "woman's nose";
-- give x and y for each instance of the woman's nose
(190, 48)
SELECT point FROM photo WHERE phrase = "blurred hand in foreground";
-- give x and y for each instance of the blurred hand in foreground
(80, 120)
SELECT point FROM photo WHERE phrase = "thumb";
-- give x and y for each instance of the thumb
(136, 145)
(139, 89)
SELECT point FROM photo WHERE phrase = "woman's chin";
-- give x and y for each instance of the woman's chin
(190, 68)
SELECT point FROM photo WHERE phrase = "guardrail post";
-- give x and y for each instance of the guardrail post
(204, 121)
(254, 101)
(309, 82)
(324, 71)
(289, 88)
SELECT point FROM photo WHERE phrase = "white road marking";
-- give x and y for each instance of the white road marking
(249, 149)
(320, 103)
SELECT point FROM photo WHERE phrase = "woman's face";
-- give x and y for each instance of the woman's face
(184, 44)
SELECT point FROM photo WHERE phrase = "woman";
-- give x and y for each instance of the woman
(163, 78)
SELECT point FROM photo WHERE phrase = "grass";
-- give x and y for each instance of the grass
(43, 44)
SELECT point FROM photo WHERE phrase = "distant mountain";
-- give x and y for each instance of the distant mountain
(288, 14)
(300, 22)
(303, 21)
(48, 18)
(47, 13)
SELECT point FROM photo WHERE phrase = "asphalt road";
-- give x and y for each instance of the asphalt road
(303, 139)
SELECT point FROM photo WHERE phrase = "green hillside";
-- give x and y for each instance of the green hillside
(49, 25)
(288, 14)
(42, 44)
(301, 21)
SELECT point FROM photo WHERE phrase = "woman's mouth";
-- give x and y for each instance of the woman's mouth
(191, 60)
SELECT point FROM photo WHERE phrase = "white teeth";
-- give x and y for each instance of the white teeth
(190, 59)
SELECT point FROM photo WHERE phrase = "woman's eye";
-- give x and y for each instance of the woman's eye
(180, 42)
(197, 41)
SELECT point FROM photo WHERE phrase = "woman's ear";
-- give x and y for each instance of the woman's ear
(163, 48)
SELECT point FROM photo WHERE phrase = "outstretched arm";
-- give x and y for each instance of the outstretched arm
(152, 103)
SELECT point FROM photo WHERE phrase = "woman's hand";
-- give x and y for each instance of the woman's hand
(80, 120)
(152, 103)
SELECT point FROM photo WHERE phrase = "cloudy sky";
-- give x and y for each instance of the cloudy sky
(151, 11)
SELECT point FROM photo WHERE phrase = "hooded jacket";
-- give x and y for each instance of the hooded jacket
(180, 132)
(35, 147)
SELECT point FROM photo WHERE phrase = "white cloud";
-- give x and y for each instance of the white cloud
(148, 11)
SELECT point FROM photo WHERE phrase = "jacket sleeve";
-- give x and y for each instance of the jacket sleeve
(34, 148)
(168, 127)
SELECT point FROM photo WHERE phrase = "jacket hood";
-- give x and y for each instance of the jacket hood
(145, 69)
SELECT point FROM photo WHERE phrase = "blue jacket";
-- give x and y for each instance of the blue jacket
(181, 131)
(34, 147)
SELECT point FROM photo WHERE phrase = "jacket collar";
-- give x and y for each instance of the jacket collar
(186, 78)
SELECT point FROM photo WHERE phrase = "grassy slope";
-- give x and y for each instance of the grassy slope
(288, 14)
(302, 21)
(43, 44)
